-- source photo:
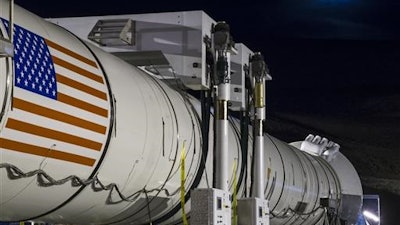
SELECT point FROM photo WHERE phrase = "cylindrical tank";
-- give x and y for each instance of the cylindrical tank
(86, 138)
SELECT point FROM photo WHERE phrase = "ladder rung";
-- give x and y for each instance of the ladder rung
(114, 21)
(110, 25)
(106, 31)
(103, 37)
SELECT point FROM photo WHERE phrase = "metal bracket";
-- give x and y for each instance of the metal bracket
(113, 32)
(6, 48)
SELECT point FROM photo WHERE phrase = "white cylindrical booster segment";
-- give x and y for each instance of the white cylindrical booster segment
(136, 158)
(130, 171)
(153, 122)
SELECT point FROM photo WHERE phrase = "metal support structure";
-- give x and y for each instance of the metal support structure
(11, 26)
(255, 210)
(258, 72)
(7, 52)
(11, 37)
(222, 45)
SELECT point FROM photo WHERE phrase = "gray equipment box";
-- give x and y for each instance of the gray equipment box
(253, 211)
(210, 207)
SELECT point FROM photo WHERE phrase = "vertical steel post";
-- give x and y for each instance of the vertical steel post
(258, 70)
(11, 37)
(222, 45)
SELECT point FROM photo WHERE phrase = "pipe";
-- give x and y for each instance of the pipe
(221, 40)
(258, 71)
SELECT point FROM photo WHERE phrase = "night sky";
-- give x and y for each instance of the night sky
(332, 61)
(351, 44)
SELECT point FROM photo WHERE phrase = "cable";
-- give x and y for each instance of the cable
(234, 195)
(45, 180)
(205, 126)
(183, 179)
(295, 212)
(148, 206)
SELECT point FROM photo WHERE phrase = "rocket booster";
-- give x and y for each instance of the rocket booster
(86, 138)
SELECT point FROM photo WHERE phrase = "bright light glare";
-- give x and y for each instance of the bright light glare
(371, 216)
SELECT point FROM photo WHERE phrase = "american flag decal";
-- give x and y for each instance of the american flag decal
(61, 103)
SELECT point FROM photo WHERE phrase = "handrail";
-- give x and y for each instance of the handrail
(11, 37)
(9, 57)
